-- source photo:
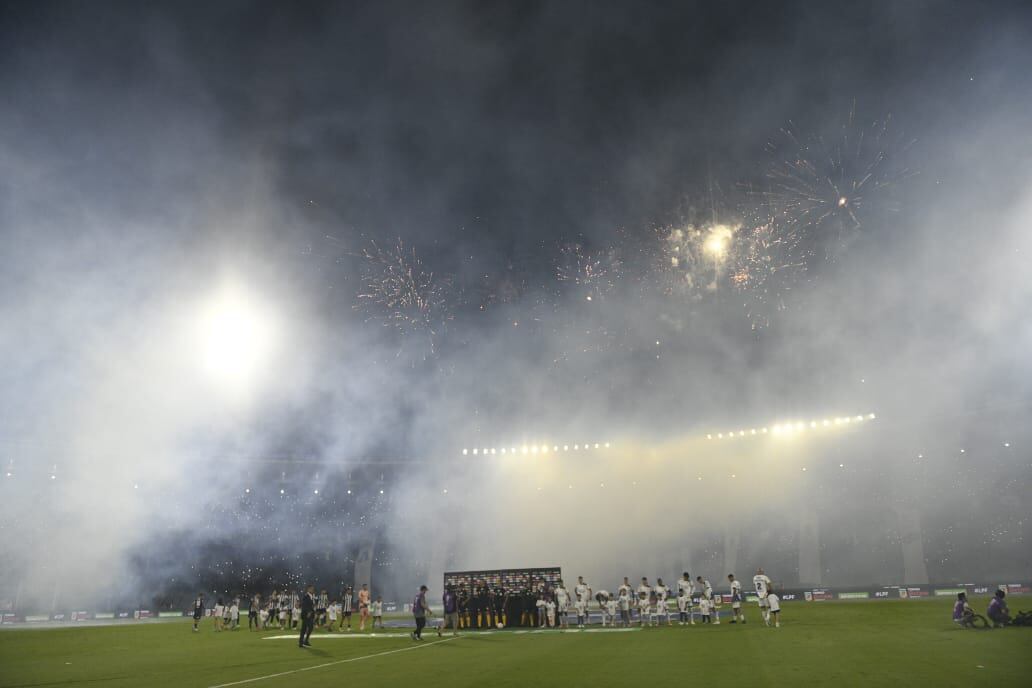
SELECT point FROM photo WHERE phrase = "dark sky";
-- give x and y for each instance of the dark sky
(490, 126)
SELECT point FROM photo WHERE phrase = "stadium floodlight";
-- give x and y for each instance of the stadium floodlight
(596, 445)
(607, 445)
(349, 491)
(788, 428)
(235, 336)
(524, 449)
(566, 447)
(576, 447)
(465, 452)
(533, 449)
(381, 491)
(247, 490)
(282, 491)
(315, 491)
(474, 451)
(804, 469)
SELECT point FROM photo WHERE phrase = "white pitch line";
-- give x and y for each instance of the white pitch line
(339, 661)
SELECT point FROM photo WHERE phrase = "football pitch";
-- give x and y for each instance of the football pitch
(872, 643)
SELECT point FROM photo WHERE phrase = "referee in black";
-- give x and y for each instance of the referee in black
(307, 617)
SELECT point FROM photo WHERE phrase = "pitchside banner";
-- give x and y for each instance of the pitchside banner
(507, 579)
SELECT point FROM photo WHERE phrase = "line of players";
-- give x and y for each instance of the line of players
(282, 610)
(550, 607)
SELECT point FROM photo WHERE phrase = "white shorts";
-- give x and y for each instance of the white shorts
(736, 605)
(682, 604)
(644, 610)
(660, 608)
(582, 609)
(774, 606)
(763, 602)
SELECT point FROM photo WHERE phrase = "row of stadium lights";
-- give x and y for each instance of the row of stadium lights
(790, 428)
(535, 449)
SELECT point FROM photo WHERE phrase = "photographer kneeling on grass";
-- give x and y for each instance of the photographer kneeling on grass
(964, 616)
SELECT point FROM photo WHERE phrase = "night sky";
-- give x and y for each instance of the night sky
(549, 180)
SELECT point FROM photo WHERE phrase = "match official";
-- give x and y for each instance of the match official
(307, 617)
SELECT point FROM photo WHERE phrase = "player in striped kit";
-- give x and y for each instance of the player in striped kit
(347, 601)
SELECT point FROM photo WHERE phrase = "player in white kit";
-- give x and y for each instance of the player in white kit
(684, 599)
(763, 586)
(562, 605)
(736, 599)
(583, 592)
(774, 605)
(682, 607)
(624, 601)
(644, 608)
(602, 598)
(662, 592)
(706, 593)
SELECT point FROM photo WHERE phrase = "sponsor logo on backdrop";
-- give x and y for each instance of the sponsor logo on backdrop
(390, 606)
(123, 615)
(167, 614)
(980, 590)
(57, 617)
(881, 593)
(854, 595)
(35, 618)
(104, 615)
(916, 592)
(819, 595)
(8, 618)
(80, 616)
(1016, 588)
(943, 592)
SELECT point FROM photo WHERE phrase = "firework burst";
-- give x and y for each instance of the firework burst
(816, 183)
(592, 273)
(770, 260)
(400, 293)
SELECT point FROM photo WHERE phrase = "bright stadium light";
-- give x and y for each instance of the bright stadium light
(236, 336)
(466, 451)
(792, 427)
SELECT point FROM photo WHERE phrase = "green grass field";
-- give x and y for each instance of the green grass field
(825, 643)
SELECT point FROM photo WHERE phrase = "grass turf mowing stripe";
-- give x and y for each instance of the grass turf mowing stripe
(328, 664)
(341, 636)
